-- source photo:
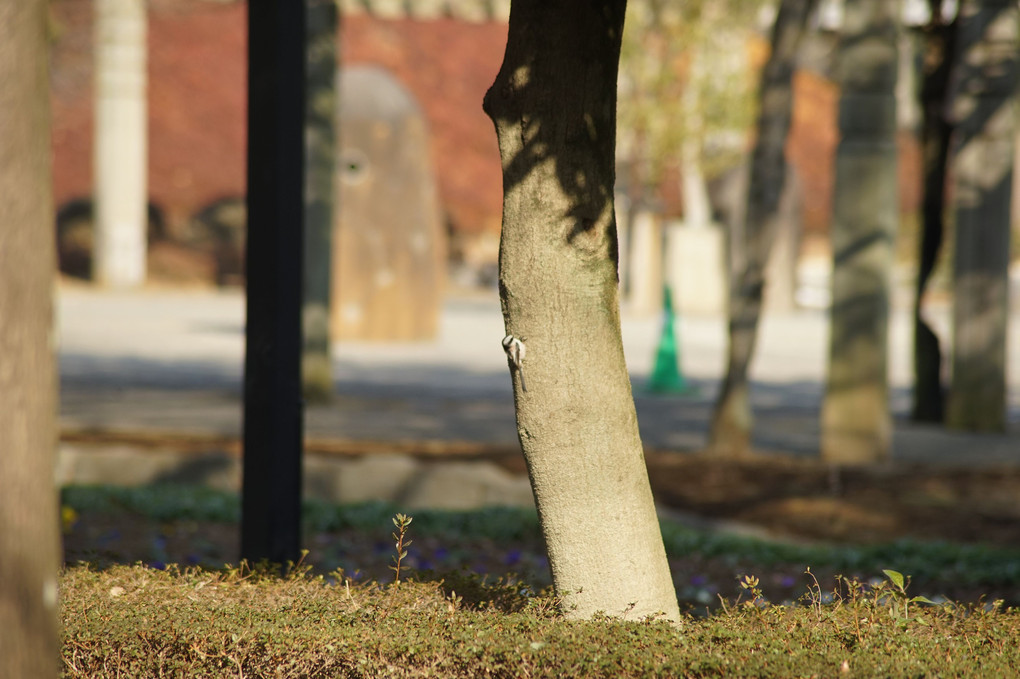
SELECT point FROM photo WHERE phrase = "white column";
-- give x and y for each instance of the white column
(645, 253)
(120, 143)
(622, 204)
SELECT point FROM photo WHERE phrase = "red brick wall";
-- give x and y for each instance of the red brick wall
(197, 100)
(196, 86)
(812, 147)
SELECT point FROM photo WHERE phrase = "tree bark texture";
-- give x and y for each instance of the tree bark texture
(732, 421)
(554, 107)
(29, 537)
(856, 424)
(939, 38)
(984, 116)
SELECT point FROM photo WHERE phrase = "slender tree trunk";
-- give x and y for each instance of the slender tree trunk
(29, 539)
(730, 434)
(984, 111)
(939, 38)
(856, 425)
(554, 107)
(320, 197)
(121, 121)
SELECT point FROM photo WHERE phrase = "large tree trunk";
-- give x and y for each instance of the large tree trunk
(984, 111)
(730, 434)
(121, 123)
(856, 425)
(939, 39)
(29, 538)
(554, 107)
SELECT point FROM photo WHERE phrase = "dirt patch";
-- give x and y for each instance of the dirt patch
(806, 499)
(783, 496)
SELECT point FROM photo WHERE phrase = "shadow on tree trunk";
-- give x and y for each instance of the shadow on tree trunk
(554, 107)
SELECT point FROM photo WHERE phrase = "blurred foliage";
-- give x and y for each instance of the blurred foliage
(688, 71)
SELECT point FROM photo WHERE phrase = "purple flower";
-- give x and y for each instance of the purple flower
(110, 536)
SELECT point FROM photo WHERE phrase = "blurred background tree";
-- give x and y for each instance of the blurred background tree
(856, 422)
(730, 432)
(939, 38)
(687, 85)
(983, 92)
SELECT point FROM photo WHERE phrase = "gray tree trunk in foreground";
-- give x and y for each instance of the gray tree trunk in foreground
(121, 123)
(984, 115)
(939, 40)
(29, 537)
(856, 425)
(554, 107)
(732, 421)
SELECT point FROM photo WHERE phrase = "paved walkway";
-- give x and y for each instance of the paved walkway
(171, 361)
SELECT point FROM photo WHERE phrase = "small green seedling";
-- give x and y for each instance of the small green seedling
(752, 586)
(899, 592)
(401, 521)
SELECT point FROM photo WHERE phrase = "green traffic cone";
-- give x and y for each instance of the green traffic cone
(667, 378)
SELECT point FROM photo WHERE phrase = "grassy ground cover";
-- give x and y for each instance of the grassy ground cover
(138, 621)
(471, 601)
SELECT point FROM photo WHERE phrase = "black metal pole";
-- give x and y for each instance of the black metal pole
(271, 490)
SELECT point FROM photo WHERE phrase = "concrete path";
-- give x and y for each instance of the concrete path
(172, 361)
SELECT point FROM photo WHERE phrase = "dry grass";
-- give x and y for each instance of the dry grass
(135, 621)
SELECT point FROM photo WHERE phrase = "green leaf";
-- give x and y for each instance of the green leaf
(896, 577)
(923, 600)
